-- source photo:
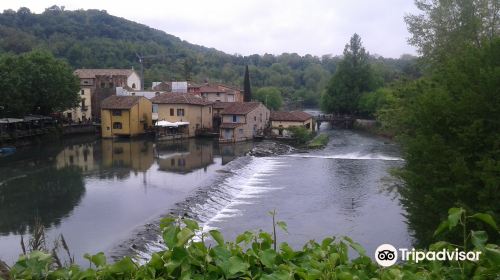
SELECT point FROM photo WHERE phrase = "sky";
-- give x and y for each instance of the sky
(316, 27)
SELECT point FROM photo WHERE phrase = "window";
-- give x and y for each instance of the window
(235, 118)
(103, 85)
(218, 94)
(155, 108)
(241, 131)
(117, 112)
(83, 103)
(86, 82)
(172, 162)
(117, 125)
(210, 110)
(133, 85)
(82, 92)
(255, 118)
(180, 112)
(260, 117)
(111, 85)
(171, 111)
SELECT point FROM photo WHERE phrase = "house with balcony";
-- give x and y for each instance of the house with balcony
(125, 116)
(243, 121)
(181, 113)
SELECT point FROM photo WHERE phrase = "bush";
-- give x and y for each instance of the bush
(256, 255)
(319, 141)
(300, 133)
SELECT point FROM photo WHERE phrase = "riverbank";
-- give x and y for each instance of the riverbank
(373, 127)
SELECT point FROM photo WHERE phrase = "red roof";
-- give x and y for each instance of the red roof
(240, 108)
(180, 98)
(294, 116)
(120, 102)
(92, 73)
(211, 89)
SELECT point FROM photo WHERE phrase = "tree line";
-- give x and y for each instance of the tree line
(447, 121)
(95, 39)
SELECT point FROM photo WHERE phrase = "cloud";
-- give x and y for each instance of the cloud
(265, 26)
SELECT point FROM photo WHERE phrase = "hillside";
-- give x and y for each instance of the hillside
(95, 39)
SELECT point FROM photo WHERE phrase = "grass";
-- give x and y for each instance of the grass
(318, 142)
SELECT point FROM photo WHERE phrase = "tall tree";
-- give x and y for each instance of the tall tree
(246, 86)
(352, 77)
(444, 28)
(36, 83)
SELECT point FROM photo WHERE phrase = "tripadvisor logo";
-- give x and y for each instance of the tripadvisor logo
(387, 255)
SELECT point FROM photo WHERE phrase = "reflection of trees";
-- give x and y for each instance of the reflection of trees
(427, 206)
(50, 194)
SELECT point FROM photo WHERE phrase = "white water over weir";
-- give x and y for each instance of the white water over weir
(246, 180)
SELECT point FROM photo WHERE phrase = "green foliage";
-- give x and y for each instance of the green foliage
(371, 102)
(95, 39)
(353, 77)
(270, 96)
(300, 134)
(36, 83)
(252, 256)
(444, 28)
(319, 141)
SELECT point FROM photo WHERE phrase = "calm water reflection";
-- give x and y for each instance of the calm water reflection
(96, 192)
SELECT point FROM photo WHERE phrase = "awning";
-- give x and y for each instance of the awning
(170, 124)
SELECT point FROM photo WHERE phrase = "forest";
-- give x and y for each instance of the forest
(96, 39)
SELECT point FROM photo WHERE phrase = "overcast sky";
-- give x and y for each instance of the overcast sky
(314, 27)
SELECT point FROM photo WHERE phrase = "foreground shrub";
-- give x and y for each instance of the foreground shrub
(256, 255)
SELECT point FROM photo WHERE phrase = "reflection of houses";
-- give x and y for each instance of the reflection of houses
(102, 83)
(229, 152)
(81, 156)
(125, 116)
(134, 154)
(83, 111)
(187, 109)
(280, 121)
(243, 121)
(185, 156)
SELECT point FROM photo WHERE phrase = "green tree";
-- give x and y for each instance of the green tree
(270, 96)
(448, 121)
(352, 77)
(246, 86)
(36, 83)
(444, 28)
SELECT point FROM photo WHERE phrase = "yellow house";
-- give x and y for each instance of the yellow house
(185, 108)
(125, 116)
(280, 121)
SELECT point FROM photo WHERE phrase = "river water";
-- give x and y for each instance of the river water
(105, 195)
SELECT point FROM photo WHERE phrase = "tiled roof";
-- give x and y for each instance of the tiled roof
(120, 102)
(240, 108)
(92, 73)
(180, 98)
(221, 105)
(297, 116)
(230, 125)
(211, 89)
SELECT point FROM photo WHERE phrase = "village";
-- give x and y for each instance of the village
(115, 103)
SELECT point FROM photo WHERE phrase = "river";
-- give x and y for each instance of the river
(106, 195)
